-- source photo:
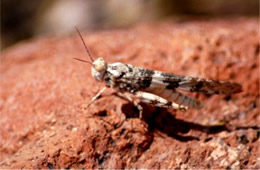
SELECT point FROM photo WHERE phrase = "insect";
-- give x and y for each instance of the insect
(153, 87)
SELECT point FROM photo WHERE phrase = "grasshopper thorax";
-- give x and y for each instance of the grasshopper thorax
(99, 68)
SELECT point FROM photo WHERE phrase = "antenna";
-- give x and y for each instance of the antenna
(83, 60)
(84, 46)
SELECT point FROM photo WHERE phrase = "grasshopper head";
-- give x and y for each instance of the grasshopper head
(99, 68)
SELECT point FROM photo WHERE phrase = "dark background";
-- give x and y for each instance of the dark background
(23, 19)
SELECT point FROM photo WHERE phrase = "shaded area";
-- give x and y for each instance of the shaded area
(30, 19)
(163, 120)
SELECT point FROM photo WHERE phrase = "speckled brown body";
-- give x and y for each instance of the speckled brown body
(128, 78)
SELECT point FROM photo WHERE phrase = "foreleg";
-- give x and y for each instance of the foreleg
(97, 95)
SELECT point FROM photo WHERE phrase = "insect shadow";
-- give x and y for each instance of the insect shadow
(163, 120)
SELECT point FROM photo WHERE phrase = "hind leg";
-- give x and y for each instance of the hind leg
(158, 101)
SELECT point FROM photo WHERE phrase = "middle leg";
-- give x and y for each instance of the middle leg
(130, 99)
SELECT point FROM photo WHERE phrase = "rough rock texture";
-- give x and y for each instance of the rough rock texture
(43, 95)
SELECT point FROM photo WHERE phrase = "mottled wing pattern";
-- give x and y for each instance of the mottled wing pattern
(193, 84)
(126, 77)
(145, 78)
(136, 80)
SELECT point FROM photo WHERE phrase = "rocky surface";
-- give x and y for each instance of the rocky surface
(43, 95)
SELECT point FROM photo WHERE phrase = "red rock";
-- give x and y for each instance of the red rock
(43, 95)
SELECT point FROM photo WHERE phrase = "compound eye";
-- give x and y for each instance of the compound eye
(100, 67)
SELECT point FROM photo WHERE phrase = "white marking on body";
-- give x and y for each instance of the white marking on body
(161, 102)
(116, 64)
(157, 74)
(114, 72)
(157, 83)
(185, 86)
